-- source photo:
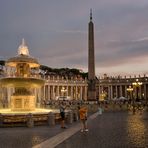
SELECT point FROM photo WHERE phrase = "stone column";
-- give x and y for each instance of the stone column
(67, 90)
(111, 89)
(116, 91)
(72, 92)
(99, 91)
(58, 90)
(49, 92)
(44, 93)
(81, 93)
(53, 93)
(121, 91)
(145, 94)
(109, 93)
(85, 93)
(140, 92)
(76, 92)
(126, 91)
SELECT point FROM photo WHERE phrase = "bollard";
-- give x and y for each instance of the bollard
(145, 115)
(1, 120)
(51, 119)
(70, 117)
(75, 116)
(30, 121)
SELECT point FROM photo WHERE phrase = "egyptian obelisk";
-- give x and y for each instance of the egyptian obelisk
(91, 62)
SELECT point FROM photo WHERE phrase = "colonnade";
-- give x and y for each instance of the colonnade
(116, 91)
(76, 90)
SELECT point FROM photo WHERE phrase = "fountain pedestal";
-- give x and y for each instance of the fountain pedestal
(22, 103)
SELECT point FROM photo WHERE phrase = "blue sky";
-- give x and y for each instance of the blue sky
(56, 33)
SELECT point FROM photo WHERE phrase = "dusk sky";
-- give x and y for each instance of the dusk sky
(56, 32)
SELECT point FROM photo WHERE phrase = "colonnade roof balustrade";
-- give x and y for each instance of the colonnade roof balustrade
(103, 81)
(65, 82)
(122, 81)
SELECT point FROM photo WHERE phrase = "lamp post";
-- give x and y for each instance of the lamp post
(63, 90)
(130, 90)
(136, 85)
(102, 96)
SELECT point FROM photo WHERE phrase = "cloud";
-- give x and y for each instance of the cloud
(121, 53)
(141, 39)
(56, 32)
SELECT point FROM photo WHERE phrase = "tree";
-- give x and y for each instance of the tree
(2, 62)
(64, 72)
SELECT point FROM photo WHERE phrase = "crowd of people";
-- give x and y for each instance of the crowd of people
(82, 111)
(83, 107)
(106, 105)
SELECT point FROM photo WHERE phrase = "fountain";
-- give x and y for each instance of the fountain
(22, 82)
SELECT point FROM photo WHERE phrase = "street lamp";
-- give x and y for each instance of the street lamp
(63, 90)
(130, 90)
(135, 86)
(102, 96)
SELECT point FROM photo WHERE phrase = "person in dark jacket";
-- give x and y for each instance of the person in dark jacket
(62, 114)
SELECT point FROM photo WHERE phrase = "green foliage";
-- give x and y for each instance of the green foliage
(65, 72)
(2, 62)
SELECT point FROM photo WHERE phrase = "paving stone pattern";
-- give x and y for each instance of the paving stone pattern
(109, 130)
(112, 130)
(23, 137)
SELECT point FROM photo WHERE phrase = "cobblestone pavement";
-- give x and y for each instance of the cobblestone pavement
(23, 137)
(109, 130)
(112, 130)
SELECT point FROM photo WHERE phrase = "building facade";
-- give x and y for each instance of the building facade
(109, 87)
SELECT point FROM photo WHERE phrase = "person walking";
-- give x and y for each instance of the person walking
(62, 114)
(100, 109)
(83, 118)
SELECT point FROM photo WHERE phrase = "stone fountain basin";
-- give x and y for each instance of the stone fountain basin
(21, 82)
(39, 116)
